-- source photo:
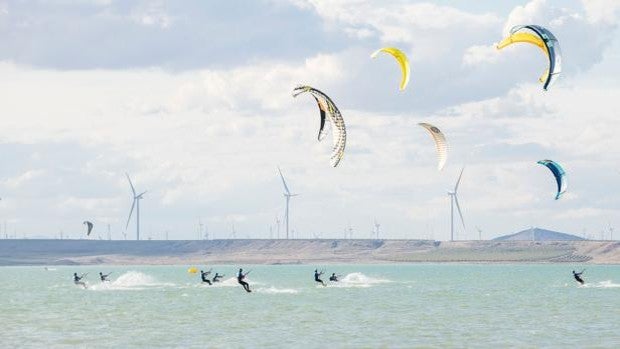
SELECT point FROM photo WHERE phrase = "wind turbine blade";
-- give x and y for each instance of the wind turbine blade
(131, 184)
(293, 195)
(130, 212)
(458, 208)
(456, 186)
(140, 195)
(284, 182)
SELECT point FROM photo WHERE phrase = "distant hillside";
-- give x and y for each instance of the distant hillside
(318, 251)
(537, 234)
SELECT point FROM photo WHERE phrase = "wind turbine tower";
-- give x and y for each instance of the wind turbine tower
(288, 196)
(233, 232)
(454, 200)
(136, 204)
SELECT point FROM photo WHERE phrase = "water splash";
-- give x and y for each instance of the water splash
(358, 280)
(131, 280)
(230, 282)
(602, 284)
(275, 290)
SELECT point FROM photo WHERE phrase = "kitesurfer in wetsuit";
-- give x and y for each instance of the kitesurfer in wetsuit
(577, 277)
(240, 278)
(317, 277)
(78, 280)
(333, 277)
(217, 277)
(203, 276)
(104, 277)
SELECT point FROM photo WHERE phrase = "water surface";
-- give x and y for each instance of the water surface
(421, 305)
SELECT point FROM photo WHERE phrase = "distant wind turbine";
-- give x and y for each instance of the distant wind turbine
(136, 203)
(479, 232)
(288, 196)
(454, 200)
(377, 225)
(233, 232)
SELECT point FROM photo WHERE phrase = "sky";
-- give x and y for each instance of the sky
(193, 100)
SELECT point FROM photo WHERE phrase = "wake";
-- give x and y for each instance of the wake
(358, 280)
(275, 290)
(602, 284)
(131, 280)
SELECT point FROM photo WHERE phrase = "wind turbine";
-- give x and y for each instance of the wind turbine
(288, 196)
(454, 200)
(233, 232)
(377, 225)
(479, 232)
(136, 203)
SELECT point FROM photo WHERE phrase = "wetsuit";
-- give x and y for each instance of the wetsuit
(240, 278)
(203, 275)
(333, 277)
(577, 277)
(217, 277)
(78, 280)
(317, 277)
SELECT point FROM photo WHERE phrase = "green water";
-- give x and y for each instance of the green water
(391, 306)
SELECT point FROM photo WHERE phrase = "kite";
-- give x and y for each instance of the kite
(558, 173)
(328, 109)
(546, 41)
(440, 144)
(402, 60)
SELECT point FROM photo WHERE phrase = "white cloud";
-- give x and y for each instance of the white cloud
(605, 11)
(206, 142)
(22, 179)
(152, 14)
(478, 54)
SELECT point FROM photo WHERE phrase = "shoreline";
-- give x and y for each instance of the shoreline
(286, 252)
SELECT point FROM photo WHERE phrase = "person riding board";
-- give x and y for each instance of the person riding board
(104, 277)
(203, 276)
(78, 279)
(240, 278)
(333, 278)
(217, 277)
(577, 277)
(317, 277)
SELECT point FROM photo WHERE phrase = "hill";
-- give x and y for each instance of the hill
(538, 234)
(69, 252)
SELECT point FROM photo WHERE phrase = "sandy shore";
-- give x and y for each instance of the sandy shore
(75, 252)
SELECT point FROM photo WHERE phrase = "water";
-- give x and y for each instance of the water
(392, 306)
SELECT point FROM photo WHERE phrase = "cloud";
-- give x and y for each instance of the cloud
(71, 35)
(22, 179)
(205, 137)
(480, 54)
(152, 14)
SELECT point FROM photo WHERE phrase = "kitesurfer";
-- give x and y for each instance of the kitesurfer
(104, 277)
(78, 279)
(203, 276)
(577, 277)
(334, 277)
(240, 277)
(317, 277)
(217, 277)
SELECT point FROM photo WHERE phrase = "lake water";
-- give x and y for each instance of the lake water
(388, 306)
